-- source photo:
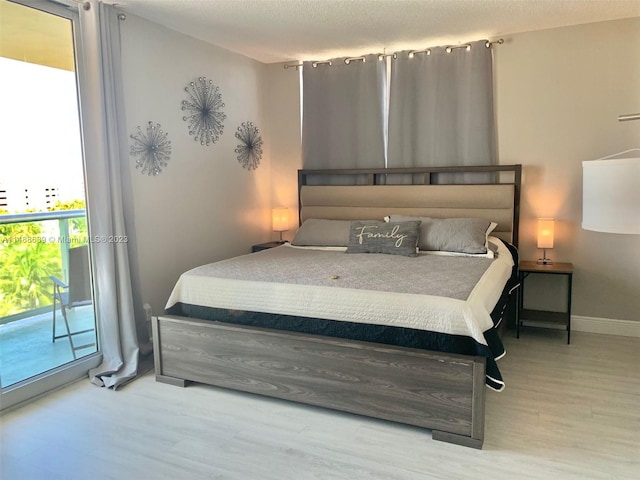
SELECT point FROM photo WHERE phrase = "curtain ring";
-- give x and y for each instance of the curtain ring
(489, 43)
(450, 48)
(382, 56)
(412, 53)
(350, 59)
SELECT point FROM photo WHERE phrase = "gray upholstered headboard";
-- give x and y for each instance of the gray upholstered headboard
(497, 202)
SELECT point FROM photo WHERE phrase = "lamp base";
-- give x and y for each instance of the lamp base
(544, 260)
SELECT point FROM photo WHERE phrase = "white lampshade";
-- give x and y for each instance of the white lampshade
(611, 195)
(545, 233)
(280, 219)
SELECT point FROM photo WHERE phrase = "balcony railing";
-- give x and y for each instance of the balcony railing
(34, 246)
(39, 228)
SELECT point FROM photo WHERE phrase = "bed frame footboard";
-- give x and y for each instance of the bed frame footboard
(441, 392)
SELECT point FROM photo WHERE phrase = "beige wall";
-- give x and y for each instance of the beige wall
(282, 108)
(558, 95)
(204, 206)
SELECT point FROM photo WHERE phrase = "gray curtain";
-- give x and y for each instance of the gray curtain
(105, 145)
(343, 122)
(441, 109)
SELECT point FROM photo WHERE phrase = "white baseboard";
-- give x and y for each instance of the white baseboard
(606, 326)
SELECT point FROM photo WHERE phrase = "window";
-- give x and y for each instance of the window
(44, 251)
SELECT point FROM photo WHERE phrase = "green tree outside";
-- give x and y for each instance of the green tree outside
(27, 263)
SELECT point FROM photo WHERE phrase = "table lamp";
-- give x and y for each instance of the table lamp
(545, 239)
(280, 220)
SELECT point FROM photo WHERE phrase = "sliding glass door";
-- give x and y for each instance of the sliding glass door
(48, 330)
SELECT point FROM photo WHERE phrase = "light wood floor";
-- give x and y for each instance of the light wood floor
(568, 412)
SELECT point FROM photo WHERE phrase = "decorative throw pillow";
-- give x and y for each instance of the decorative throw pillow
(464, 235)
(396, 238)
(320, 232)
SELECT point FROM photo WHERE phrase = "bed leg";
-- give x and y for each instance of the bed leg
(476, 437)
(178, 382)
(457, 439)
(157, 357)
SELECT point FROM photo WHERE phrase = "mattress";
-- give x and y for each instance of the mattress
(429, 301)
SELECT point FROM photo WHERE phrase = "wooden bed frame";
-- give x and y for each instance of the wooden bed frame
(438, 391)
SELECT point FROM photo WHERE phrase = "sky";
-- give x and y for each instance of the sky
(40, 142)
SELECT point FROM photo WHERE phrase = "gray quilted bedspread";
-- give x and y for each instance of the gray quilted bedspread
(443, 276)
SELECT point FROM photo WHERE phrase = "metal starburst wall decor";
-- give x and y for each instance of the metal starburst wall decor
(250, 148)
(152, 147)
(204, 115)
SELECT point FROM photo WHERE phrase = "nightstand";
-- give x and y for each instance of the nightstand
(527, 268)
(265, 246)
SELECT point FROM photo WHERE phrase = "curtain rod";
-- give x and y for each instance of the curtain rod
(82, 3)
(630, 116)
(381, 56)
(87, 6)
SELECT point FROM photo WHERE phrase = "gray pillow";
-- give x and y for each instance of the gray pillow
(323, 233)
(464, 235)
(396, 238)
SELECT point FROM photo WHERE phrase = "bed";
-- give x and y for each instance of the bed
(334, 333)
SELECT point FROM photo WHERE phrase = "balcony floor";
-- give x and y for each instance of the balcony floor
(26, 348)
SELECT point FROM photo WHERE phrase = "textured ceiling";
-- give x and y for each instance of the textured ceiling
(29, 35)
(284, 30)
